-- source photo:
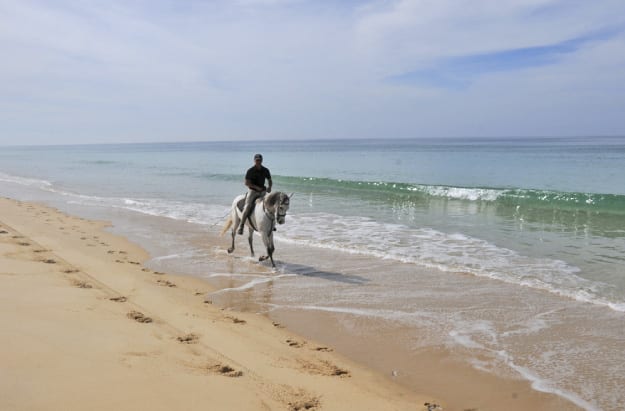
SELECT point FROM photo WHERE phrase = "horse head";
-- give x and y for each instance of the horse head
(283, 207)
(278, 204)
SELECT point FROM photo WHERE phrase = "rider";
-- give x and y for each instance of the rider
(255, 181)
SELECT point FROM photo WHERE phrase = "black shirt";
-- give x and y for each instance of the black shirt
(257, 177)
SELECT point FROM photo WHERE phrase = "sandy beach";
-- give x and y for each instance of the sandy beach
(86, 326)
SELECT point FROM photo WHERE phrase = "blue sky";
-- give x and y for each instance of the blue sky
(139, 71)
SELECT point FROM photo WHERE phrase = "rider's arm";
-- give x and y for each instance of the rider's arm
(269, 185)
(254, 187)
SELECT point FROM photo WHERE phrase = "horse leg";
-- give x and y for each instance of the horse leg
(250, 239)
(235, 225)
(268, 241)
(271, 249)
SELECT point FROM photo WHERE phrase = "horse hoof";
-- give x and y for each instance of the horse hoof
(230, 250)
(263, 258)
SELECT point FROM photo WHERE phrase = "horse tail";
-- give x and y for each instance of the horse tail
(227, 225)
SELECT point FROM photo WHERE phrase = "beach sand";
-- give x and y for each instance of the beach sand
(83, 325)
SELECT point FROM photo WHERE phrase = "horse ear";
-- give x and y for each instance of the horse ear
(291, 195)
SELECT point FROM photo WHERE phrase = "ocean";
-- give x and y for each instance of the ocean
(509, 253)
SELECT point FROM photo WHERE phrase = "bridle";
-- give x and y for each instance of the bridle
(278, 214)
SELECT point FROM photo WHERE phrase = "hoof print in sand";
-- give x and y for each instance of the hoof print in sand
(165, 283)
(310, 404)
(323, 349)
(120, 299)
(324, 368)
(189, 338)
(70, 271)
(49, 261)
(225, 370)
(430, 406)
(139, 317)
(235, 320)
(4, 232)
(81, 284)
(23, 243)
(295, 344)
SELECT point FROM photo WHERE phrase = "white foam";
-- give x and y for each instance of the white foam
(453, 252)
(25, 181)
(424, 318)
(465, 333)
(543, 385)
(250, 284)
(460, 193)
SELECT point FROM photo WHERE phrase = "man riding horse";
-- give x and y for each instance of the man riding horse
(255, 182)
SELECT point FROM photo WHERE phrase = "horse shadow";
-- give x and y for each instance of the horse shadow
(309, 271)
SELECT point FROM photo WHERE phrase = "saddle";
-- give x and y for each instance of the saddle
(241, 203)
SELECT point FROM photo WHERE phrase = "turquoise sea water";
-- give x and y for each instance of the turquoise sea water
(542, 218)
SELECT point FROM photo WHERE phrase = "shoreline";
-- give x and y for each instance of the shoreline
(301, 372)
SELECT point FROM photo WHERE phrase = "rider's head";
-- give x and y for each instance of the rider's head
(258, 158)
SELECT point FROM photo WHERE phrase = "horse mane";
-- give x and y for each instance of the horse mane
(272, 199)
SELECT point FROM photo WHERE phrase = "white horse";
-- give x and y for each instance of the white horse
(268, 210)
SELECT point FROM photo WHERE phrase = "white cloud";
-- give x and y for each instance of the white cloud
(250, 69)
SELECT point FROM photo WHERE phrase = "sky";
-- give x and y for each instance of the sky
(80, 72)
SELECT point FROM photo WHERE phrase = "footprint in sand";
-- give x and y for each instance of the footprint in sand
(139, 317)
(81, 284)
(23, 243)
(165, 283)
(70, 271)
(189, 338)
(312, 403)
(4, 232)
(49, 261)
(235, 320)
(120, 299)
(224, 370)
(295, 344)
(323, 368)
(323, 349)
